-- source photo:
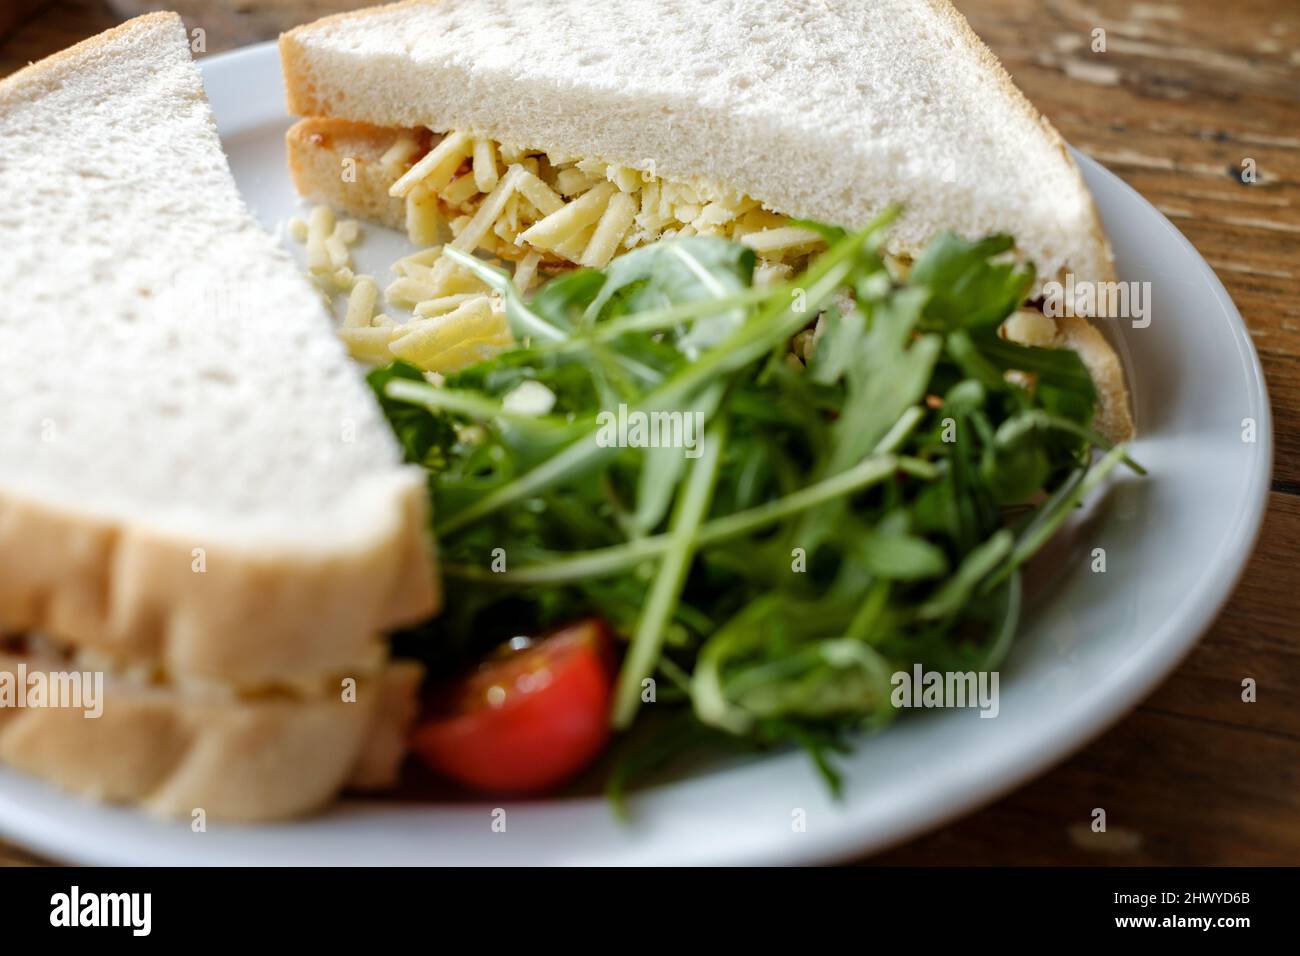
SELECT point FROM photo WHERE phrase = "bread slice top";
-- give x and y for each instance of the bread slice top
(163, 360)
(827, 109)
(190, 466)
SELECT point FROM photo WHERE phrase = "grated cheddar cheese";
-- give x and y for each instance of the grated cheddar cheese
(543, 213)
(556, 212)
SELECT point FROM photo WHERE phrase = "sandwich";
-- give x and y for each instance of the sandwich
(551, 138)
(723, 338)
(206, 523)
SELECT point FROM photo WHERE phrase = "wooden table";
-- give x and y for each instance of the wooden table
(1184, 93)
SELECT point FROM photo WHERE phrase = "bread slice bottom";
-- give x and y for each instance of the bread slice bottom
(175, 751)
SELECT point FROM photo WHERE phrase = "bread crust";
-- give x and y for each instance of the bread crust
(1113, 419)
(30, 81)
(299, 91)
(242, 760)
(994, 67)
(213, 612)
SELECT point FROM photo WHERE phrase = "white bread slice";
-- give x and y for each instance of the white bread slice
(176, 751)
(828, 110)
(192, 473)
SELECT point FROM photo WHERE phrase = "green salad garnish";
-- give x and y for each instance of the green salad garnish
(844, 510)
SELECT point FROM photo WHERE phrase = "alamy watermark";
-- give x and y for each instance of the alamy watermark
(62, 690)
(633, 428)
(942, 689)
(1100, 300)
(133, 911)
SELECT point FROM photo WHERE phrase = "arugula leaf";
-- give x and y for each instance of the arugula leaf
(672, 273)
(764, 664)
(839, 345)
(1063, 385)
(663, 467)
(902, 557)
(562, 301)
(967, 289)
(1015, 465)
(424, 437)
(1059, 367)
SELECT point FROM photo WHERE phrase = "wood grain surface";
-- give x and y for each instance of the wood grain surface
(1185, 96)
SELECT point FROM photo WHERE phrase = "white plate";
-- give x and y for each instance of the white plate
(1175, 545)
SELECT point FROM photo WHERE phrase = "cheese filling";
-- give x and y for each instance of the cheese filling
(527, 205)
(541, 214)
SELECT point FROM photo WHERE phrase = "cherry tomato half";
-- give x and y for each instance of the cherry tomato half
(529, 718)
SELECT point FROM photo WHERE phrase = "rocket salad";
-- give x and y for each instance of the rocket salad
(874, 466)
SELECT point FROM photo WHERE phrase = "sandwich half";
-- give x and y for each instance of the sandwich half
(553, 135)
(200, 500)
